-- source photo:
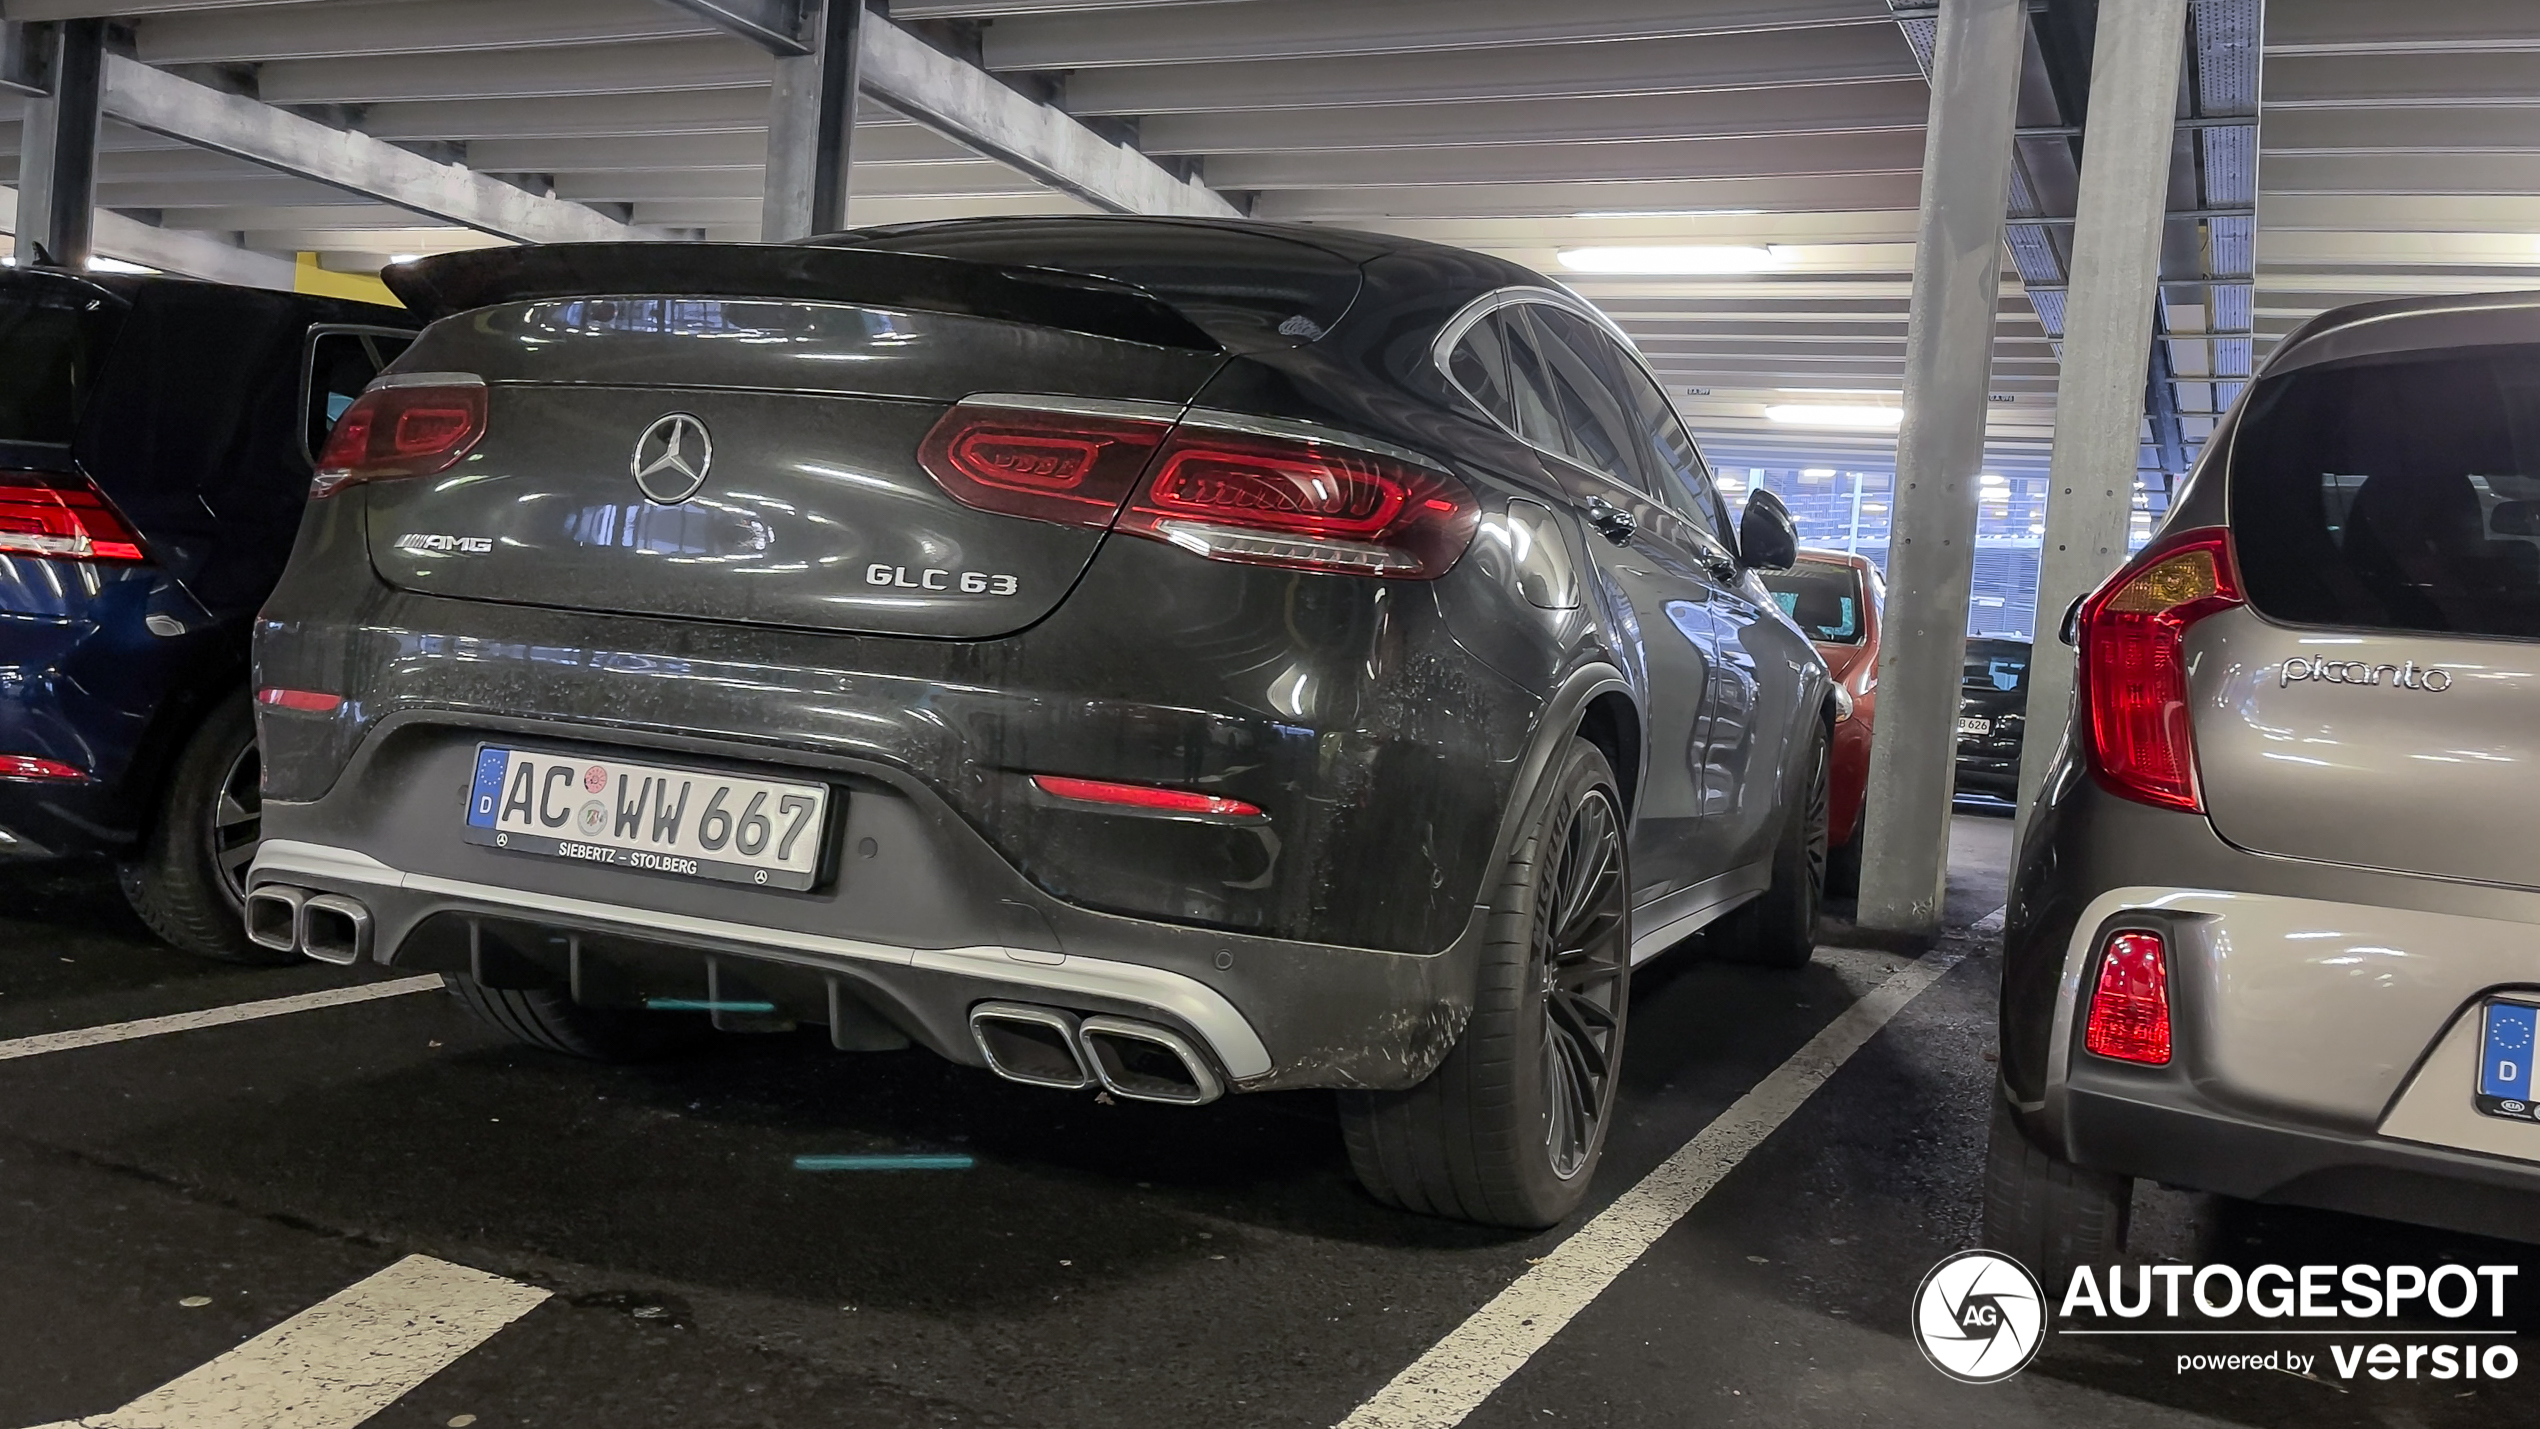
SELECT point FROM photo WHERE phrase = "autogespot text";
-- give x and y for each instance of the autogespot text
(2322, 1303)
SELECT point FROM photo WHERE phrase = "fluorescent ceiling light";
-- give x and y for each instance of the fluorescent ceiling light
(1817, 473)
(1672, 258)
(100, 264)
(1991, 478)
(403, 257)
(1827, 414)
(1668, 213)
(1873, 506)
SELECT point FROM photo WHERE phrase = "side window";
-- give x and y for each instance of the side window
(1602, 434)
(342, 361)
(1530, 381)
(1479, 365)
(1683, 481)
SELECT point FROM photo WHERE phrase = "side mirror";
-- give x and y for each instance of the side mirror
(1767, 539)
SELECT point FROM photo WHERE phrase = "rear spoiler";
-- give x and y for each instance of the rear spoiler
(1041, 297)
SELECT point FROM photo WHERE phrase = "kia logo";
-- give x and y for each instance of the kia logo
(671, 458)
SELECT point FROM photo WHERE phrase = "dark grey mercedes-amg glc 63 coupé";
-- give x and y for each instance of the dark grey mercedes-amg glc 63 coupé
(1171, 656)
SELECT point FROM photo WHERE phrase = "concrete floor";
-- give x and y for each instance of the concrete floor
(1098, 1265)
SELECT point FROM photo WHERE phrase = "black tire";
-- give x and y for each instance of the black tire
(1778, 927)
(2045, 1212)
(550, 1020)
(187, 880)
(1508, 1130)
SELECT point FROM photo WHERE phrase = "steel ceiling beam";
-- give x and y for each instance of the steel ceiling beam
(775, 26)
(233, 124)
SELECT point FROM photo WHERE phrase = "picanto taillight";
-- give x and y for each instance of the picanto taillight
(1065, 467)
(401, 431)
(2130, 1007)
(63, 517)
(2133, 635)
(1305, 504)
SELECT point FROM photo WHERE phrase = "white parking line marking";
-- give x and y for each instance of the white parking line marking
(1478, 1356)
(340, 1361)
(211, 1017)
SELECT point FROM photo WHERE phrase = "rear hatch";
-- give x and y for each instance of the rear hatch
(2373, 704)
(734, 432)
(1993, 698)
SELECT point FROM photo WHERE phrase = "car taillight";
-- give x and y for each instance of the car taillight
(1148, 797)
(28, 766)
(2130, 1006)
(2133, 635)
(1304, 504)
(1066, 467)
(401, 431)
(62, 517)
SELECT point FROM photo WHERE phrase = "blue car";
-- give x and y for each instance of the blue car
(155, 450)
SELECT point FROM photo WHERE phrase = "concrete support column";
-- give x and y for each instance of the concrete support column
(811, 125)
(1948, 368)
(57, 184)
(2125, 185)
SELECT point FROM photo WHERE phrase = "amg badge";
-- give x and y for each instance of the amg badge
(445, 545)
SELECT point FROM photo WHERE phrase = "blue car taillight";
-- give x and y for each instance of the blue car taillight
(62, 517)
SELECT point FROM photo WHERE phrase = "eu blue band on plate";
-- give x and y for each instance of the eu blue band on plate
(2505, 1050)
(490, 764)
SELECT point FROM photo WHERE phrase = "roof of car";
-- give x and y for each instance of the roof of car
(2408, 325)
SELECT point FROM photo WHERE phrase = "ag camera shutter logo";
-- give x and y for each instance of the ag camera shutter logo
(1979, 1317)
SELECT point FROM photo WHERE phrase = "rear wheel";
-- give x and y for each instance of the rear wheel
(550, 1020)
(1509, 1128)
(1778, 928)
(2044, 1211)
(188, 880)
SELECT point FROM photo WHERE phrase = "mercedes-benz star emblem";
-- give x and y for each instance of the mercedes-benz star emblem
(671, 458)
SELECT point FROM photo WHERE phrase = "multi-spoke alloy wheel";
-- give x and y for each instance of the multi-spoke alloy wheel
(234, 819)
(1509, 1127)
(1581, 951)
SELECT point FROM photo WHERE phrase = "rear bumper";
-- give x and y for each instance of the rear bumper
(920, 920)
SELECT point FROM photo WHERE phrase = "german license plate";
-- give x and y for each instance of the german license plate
(1976, 727)
(2505, 1037)
(678, 823)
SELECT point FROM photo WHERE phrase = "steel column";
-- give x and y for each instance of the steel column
(2108, 335)
(57, 198)
(811, 124)
(1948, 366)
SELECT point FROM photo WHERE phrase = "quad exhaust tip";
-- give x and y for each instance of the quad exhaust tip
(1048, 1047)
(327, 926)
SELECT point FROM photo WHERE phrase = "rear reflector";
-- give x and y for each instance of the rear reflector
(1063, 467)
(2133, 634)
(1142, 796)
(1310, 505)
(401, 431)
(2130, 1007)
(62, 517)
(305, 701)
(27, 766)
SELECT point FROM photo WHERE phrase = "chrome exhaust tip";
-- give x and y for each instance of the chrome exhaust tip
(1146, 1063)
(1032, 1045)
(334, 929)
(273, 916)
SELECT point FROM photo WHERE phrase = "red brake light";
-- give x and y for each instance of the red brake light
(62, 517)
(1310, 505)
(392, 432)
(1142, 796)
(2133, 632)
(2130, 1008)
(304, 701)
(27, 766)
(1049, 466)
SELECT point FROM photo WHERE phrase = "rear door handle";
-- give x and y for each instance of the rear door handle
(1616, 524)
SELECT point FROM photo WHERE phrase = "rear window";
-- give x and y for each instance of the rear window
(1249, 290)
(1995, 665)
(50, 343)
(1823, 600)
(2395, 492)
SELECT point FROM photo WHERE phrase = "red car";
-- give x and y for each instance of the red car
(1835, 596)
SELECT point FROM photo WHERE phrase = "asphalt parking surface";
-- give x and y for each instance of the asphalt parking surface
(168, 1197)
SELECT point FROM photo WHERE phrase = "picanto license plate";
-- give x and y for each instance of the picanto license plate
(679, 823)
(2505, 1037)
(1976, 727)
